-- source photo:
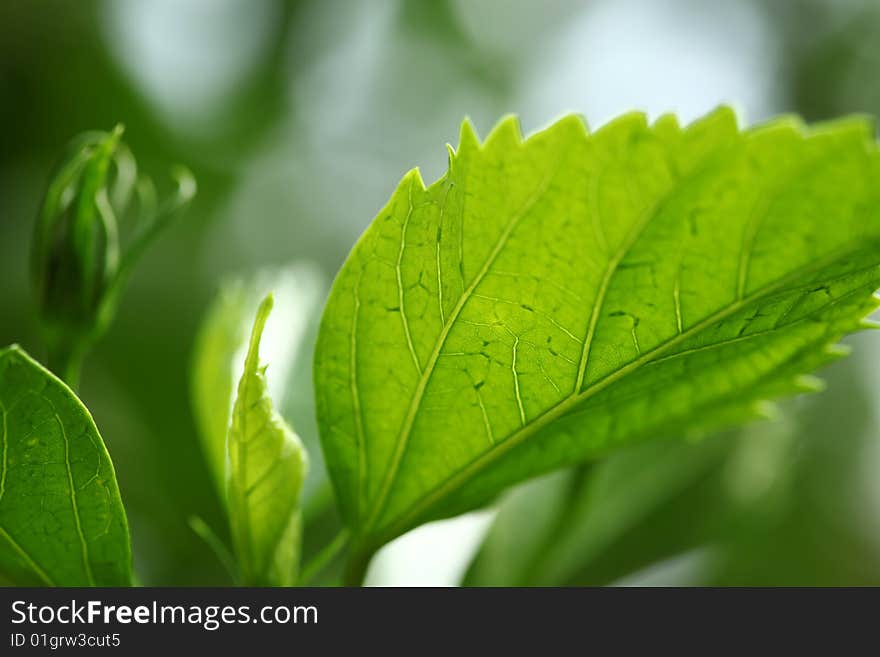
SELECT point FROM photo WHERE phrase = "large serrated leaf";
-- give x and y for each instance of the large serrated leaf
(550, 299)
(61, 518)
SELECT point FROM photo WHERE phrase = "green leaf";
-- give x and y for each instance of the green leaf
(266, 471)
(550, 300)
(61, 518)
(219, 353)
(213, 380)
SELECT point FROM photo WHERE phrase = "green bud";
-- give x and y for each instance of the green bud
(78, 259)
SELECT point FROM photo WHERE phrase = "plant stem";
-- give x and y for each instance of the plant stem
(324, 557)
(218, 547)
(66, 361)
(356, 569)
(319, 502)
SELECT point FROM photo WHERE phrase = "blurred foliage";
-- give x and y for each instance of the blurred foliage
(315, 110)
(774, 504)
(831, 55)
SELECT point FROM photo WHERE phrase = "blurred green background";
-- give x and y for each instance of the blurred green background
(298, 118)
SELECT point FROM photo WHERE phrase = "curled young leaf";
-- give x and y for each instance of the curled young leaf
(266, 468)
(221, 344)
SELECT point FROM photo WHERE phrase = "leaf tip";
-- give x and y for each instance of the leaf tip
(253, 355)
(186, 183)
(20, 355)
(12, 350)
(766, 410)
(450, 152)
(667, 123)
(837, 350)
(414, 177)
(468, 139)
(574, 121)
(809, 383)
(267, 303)
(195, 522)
(723, 119)
(507, 131)
(625, 123)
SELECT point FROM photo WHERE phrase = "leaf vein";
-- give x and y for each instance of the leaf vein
(399, 272)
(77, 522)
(27, 558)
(355, 396)
(406, 429)
(463, 474)
(3, 466)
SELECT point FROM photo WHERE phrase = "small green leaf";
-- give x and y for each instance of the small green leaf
(266, 469)
(551, 299)
(213, 382)
(61, 518)
(218, 356)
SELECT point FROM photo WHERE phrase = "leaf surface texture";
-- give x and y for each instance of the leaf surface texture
(553, 298)
(62, 522)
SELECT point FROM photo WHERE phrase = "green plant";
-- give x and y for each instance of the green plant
(547, 303)
(81, 256)
(267, 467)
(61, 518)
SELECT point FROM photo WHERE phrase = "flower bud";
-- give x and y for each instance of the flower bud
(78, 262)
(76, 248)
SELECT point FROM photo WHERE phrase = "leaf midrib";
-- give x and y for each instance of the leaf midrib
(244, 393)
(461, 476)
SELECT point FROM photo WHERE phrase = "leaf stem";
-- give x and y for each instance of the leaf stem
(66, 361)
(218, 547)
(356, 568)
(324, 557)
(318, 503)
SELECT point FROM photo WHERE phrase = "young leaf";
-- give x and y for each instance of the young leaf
(218, 357)
(551, 299)
(213, 380)
(61, 518)
(266, 469)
